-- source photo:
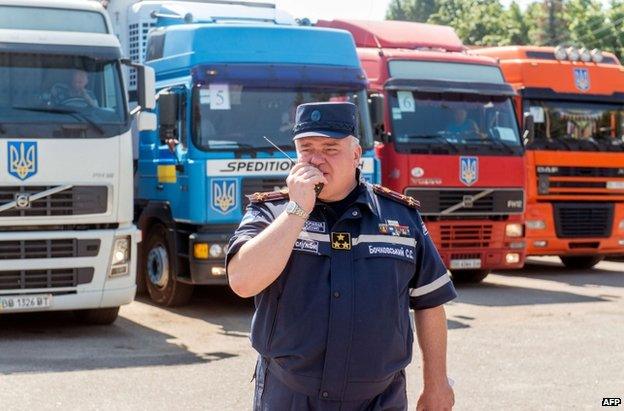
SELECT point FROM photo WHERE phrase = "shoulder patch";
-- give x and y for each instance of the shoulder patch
(268, 196)
(398, 197)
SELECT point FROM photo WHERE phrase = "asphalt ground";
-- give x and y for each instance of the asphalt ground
(541, 338)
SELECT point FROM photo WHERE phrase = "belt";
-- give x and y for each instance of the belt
(310, 386)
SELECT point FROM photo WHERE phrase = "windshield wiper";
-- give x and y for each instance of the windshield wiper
(434, 137)
(494, 140)
(73, 113)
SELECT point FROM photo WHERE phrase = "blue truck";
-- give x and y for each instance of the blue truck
(221, 89)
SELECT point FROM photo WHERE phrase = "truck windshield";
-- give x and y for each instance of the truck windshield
(60, 96)
(449, 123)
(234, 116)
(578, 126)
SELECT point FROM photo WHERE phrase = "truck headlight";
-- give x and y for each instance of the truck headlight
(120, 257)
(204, 251)
(621, 226)
(513, 230)
(535, 224)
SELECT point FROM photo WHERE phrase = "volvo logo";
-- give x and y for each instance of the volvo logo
(468, 201)
(22, 201)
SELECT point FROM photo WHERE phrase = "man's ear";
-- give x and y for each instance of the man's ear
(357, 153)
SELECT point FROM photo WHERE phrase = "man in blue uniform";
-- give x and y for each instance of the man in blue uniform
(334, 277)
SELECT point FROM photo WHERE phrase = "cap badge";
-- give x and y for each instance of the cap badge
(316, 115)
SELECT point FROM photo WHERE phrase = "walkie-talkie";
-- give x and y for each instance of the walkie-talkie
(317, 187)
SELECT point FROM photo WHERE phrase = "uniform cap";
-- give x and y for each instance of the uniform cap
(332, 120)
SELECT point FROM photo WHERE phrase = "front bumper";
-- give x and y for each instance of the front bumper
(544, 242)
(476, 240)
(99, 292)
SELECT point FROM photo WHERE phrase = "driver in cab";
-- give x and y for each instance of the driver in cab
(461, 124)
(75, 92)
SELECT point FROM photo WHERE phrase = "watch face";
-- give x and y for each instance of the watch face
(290, 207)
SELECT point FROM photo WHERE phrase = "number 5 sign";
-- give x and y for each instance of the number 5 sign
(219, 97)
(406, 101)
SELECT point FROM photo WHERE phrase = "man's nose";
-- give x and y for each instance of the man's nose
(317, 159)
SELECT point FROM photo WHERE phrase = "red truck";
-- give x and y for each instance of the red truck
(447, 135)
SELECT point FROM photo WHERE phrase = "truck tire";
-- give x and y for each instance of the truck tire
(581, 262)
(97, 316)
(469, 276)
(157, 266)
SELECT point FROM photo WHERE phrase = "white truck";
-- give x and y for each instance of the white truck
(67, 240)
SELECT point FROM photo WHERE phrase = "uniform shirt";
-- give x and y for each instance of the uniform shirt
(335, 323)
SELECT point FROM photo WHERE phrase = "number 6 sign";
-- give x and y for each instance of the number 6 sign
(406, 101)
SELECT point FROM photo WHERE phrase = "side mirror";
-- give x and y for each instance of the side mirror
(376, 108)
(146, 85)
(168, 110)
(529, 127)
(146, 121)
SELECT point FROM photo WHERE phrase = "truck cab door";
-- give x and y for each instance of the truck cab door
(171, 183)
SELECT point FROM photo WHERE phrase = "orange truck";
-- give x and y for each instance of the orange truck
(447, 135)
(571, 104)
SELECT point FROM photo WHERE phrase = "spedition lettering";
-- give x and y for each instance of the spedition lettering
(258, 167)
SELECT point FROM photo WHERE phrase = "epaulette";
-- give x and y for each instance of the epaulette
(268, 196)
(398, 197)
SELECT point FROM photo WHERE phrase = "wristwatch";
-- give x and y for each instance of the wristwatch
(294, 208)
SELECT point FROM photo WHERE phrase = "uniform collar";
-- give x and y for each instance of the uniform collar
(367, 196)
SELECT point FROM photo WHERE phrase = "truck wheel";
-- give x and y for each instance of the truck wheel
(581, 262)
(158, 270)
(97, 316)
(469, 276)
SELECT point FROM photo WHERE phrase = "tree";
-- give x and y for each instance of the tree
(411, 10)
(551, 26)
(477, 22)
(589, 25)
(518, 26)
(615, 17)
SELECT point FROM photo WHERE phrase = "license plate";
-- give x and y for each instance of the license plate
(25, 302)
(469, 263)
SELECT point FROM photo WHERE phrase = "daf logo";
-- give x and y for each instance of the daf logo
(547, 170)
(22, 201)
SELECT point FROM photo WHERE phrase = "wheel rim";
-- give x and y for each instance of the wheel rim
(158, 265)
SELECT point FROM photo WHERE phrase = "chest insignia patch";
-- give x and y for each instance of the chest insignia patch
(392, 227)
(341, 241)
(314, 226)
(311, 246)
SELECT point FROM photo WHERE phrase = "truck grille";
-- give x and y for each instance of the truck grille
(574, 220)
(498, 202)
(465, 236)
(580, 171)
(255, 185)
(50, 278)
(77, 200)
(49, 248)
(577, 181)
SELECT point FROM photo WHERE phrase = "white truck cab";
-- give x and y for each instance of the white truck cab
(67, 241)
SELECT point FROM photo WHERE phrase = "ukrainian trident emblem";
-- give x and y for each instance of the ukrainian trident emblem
(22, 158)
(223, 195)
(581, 79)
(468, 170)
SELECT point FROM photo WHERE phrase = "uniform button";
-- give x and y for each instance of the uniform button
(336, 294)
(325, 394)
(354, 213)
